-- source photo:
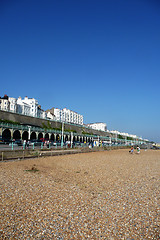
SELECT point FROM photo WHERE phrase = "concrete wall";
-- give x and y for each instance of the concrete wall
(27, 120)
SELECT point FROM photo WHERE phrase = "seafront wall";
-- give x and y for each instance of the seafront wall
(38, 122)
(8, 155)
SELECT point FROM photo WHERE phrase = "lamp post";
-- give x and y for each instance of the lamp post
(29, 132)
(98, 141)
(71, 138)
(62, 135)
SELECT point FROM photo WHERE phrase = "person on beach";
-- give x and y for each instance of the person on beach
(138, 149)
(132, 150)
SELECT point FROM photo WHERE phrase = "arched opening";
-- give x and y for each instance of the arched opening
(33, 136)
(16, 135)
(81, 140)
(6, 134)
(66, 138)
(46, 136)
(78, 139)
(52, 137)
(25, 136)
(40, 135)
(74, 139)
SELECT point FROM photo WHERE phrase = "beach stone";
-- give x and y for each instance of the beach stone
(100, 195)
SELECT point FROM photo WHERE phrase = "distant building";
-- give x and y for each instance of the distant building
(4, 103)
(23, 107)
(65, 115)
(33, 103)
(125, 135)
(58, 114)
(30, 107)
(71, 116)
(98, 126)
(50, 114)
(8, 104)
(13, 104)
(41, 113)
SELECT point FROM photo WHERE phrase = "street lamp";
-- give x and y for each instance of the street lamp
(71, 138)
(62, 135)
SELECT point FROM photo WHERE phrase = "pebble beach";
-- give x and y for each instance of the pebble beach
(97, 195)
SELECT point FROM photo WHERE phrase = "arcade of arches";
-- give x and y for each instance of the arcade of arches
(24, 135)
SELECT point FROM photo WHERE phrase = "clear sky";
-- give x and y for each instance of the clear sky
(98, 58)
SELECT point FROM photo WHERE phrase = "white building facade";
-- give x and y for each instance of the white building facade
(58, 114)
(98, 126)
(22, 107)
(33, 103)
(125, 135)
(13, 104)
(66, 115)
(4, 103)
(41, 113)
(30, 107)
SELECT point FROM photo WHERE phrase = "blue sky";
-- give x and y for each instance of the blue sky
(99, 58)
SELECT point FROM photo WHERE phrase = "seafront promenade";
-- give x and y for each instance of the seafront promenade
(98, 195)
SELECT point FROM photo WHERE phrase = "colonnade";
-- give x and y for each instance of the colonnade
(10, 134)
